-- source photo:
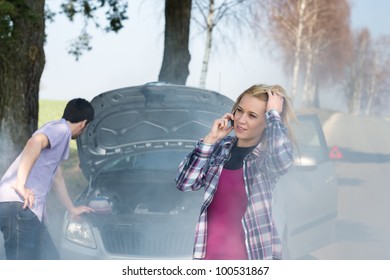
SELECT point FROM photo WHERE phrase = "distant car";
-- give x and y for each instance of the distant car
(130, 154)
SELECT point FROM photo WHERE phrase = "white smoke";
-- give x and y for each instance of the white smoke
(7, 152)
(8, 149)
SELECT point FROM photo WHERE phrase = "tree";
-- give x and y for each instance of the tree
(210, 23)
(307, 32)
(22, 60)
(326, 50)
(286, 22)
(177, 56)
(377, 95)
(367, 83)
(211, 14)
(115, 15)
(357, 70)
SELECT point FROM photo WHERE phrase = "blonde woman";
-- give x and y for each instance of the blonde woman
(238, 174)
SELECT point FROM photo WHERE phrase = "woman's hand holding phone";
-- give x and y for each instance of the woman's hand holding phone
(220, 128)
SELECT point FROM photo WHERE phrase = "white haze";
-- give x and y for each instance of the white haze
(362, 228)
(134, 55)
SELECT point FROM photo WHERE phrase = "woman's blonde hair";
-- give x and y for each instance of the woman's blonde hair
(260, 91)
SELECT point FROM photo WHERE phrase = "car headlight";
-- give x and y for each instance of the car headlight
(80, 233)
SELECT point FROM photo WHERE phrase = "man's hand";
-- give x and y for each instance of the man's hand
(76, 211)
(30, 154)
(61, 190)
(27, 194)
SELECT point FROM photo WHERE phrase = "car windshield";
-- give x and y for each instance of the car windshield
(310, 145)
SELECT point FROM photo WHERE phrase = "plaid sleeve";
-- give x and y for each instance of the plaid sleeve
(191, 172)
(280, 149)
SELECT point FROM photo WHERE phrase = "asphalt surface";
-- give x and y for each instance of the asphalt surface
(363, 171)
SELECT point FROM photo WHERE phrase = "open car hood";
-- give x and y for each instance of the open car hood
(147, 117)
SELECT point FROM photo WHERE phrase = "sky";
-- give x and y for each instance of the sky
(134, 55)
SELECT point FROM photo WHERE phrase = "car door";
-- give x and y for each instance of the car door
(305, 202)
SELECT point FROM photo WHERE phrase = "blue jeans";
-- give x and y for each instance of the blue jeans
(25, 237)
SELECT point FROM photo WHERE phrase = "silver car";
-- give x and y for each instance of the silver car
(305, 199)
(130, 154)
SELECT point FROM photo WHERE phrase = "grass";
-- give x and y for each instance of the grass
(50, 110)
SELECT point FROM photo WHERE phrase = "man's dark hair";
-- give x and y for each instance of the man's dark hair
(77, 110)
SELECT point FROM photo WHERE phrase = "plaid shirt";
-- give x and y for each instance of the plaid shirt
(262, 168)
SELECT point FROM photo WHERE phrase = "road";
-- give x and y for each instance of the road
(363, 224)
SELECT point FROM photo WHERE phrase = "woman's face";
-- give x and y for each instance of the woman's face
(249, 121)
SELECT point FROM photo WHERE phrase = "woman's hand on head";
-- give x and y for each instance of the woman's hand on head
(275, 101)
(220, 129)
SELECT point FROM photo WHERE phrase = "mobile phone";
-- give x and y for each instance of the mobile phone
(231, 121)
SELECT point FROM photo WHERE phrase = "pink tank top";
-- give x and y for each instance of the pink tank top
(225, 234)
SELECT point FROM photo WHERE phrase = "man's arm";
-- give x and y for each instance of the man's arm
(61, 191)
(30, 154)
